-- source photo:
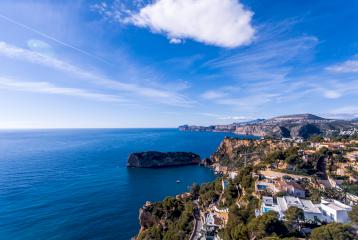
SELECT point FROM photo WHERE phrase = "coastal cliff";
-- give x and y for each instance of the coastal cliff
(153, 159)
(171, 218)
(289, 126)
(235, 152)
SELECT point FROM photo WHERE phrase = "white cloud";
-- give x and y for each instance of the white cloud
(332, 94)
(48, 88)
(40, 47)
(350, 66)
(234, 118)
(213, 94)
(334, 89)
(175, 41)
(223, 23)
(162, 96)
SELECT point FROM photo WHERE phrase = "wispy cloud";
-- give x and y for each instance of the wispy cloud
(278, 51)
(268, 60)
(48, 88)
(255, 95)
(235, 118)
(275, 69)
(346, 112)
(223, 117)
(334, 89)
(162, 96)
(350, 66)
(45, 35)
(213, 94)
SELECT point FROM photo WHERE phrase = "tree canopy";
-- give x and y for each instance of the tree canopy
(353, 215)
(333, 231)
(294, 216)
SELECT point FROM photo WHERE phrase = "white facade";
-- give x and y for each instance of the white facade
(335, 211)
(311, 211)
(209, 220)
(328, 210)
(233, 174)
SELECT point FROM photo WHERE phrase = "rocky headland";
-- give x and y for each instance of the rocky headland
(154, 159)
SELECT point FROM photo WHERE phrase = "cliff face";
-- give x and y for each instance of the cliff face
(284, 130)
(262, 130)
(146, 218)
(234, 152)
(171, 218)
(159, 159)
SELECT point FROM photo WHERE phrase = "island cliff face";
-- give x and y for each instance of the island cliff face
(159, 159)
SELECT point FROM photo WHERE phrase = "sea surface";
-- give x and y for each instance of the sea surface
(74, 184)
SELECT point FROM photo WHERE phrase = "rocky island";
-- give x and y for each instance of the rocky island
(154, 159)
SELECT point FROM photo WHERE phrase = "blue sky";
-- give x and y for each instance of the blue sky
(164, 63)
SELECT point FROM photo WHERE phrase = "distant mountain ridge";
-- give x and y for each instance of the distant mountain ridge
(287, 126)
(298, 117)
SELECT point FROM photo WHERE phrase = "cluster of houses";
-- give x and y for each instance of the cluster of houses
(328, 210)
(290, 187)
(279, 191)
(275, 182)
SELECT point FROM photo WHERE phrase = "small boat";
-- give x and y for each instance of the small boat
(178, 181)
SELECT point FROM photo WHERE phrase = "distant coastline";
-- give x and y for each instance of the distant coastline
(288, 126)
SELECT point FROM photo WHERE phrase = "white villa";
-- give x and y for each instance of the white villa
(335, 211)
(328, 210)
(311, 211)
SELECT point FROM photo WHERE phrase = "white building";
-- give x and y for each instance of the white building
(335, 211)
(327, 211)
(209, 220)
(232, 174)
(311, 211)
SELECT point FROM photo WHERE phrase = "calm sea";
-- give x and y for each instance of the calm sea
(74, 184)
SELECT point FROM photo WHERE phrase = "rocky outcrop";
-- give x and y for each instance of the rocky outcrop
(159, 159)
(289, 126)
(146, 218)
(171, 218)
(194, 128)
(235, 152)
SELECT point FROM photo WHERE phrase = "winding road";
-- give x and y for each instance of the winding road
(198, 223)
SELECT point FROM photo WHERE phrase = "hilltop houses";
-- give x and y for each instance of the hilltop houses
(279, 183)
(290, 188)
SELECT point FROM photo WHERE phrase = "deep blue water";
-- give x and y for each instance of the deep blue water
(74, 184)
